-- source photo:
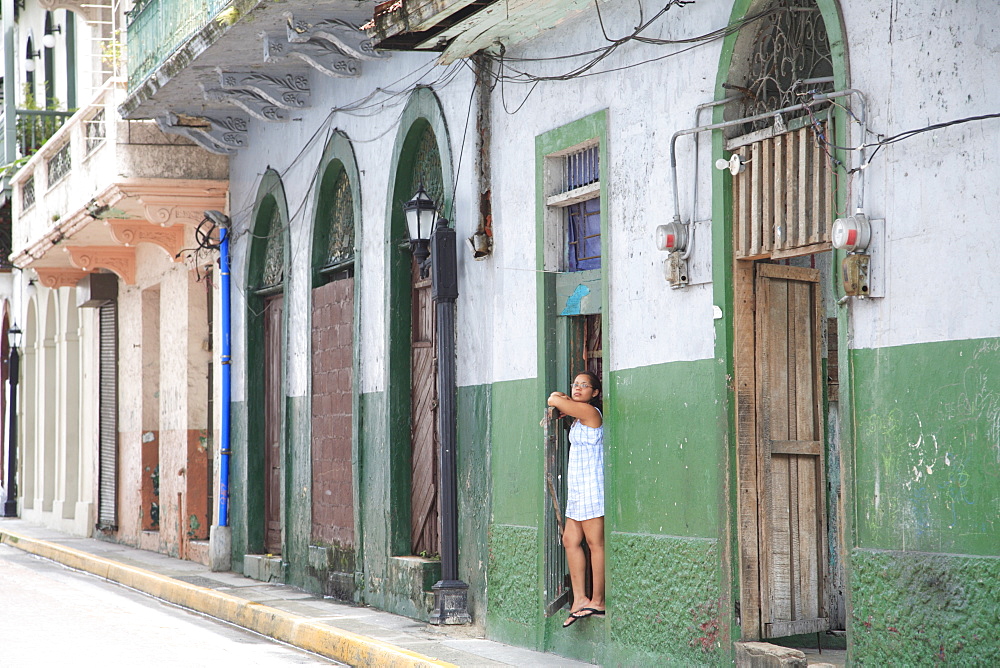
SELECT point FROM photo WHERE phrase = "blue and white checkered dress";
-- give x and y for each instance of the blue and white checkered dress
(585, 474)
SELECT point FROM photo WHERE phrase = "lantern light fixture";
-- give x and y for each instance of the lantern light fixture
(14, 337)
(421, 212)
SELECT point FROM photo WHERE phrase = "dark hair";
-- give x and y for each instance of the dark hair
(595, 383)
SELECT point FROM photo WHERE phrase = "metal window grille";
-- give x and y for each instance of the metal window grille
(584, 235)
(581, 168)
(28, 193)
(427, 170)
(96, 131)
(60, 164)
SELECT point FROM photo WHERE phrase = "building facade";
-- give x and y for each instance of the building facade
(730, 212)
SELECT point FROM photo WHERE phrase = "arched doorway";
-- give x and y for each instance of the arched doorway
(778, 213)
(334, 326)
(265, 368)
(423, 160)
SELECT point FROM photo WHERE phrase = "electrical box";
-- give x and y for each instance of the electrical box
(675, 268)
(855, 274)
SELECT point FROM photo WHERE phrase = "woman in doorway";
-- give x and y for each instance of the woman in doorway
(585, 493)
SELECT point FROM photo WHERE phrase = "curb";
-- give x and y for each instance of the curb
(295, 630)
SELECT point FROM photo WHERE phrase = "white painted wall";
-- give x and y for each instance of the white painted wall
(920, 64)
(915, 64)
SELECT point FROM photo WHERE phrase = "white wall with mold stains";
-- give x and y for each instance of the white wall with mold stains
(920, 64)
(915, 66)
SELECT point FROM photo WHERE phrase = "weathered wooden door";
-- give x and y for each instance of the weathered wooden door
(790, 469)
(273, 308)
(424, 534)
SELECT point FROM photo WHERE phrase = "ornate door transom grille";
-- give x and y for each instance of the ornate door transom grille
(274, 252)
(340, 247)
(789, 50)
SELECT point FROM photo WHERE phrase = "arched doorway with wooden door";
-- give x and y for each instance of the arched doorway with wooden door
(334, 340)
(775, 274)
(422, 159)
(265, 452)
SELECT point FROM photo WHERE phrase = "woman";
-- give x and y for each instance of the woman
(585, 493)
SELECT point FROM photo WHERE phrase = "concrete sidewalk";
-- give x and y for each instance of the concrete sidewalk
(355, 635)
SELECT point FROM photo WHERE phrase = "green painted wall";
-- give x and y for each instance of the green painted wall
(920, 609)
(666, 471)
(666, 475)
(924, 572)
(298, 491)
(473, 443)
(664, 457)
(928, 447)
(666, 590)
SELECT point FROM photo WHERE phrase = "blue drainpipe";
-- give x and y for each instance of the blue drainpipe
(226, 374)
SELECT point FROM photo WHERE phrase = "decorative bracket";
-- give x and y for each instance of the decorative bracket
(219, 135)
(120, 260)
(322, 56)
(289, 91)
(346, 37)
(248, 101)
(130, 233)
(52, 277)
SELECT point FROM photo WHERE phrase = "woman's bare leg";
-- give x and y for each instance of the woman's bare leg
(593, 530)
(576, 560)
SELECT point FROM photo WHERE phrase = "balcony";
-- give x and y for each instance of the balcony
(156, 28)
(101, 185)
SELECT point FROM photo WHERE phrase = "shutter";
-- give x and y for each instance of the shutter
(107, 512)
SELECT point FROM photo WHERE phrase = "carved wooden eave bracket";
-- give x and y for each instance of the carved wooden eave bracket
(132, 232)
(348, 38)
(59, 277)
(218, 132)
(322, 56)
(118, 259)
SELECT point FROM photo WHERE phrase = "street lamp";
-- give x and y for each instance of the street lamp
(420, 214)
(14, 340)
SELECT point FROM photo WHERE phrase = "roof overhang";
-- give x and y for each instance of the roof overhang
(460, 28)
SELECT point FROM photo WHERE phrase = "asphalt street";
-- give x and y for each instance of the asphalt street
(55, 616)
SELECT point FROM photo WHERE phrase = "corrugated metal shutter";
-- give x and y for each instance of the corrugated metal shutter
(107, 512)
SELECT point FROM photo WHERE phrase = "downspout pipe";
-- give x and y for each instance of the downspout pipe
(224, 437)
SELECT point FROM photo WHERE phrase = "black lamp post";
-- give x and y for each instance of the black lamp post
(14, 339)
(451, 595)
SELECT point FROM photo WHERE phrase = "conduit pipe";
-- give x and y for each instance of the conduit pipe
(224, 288)
(817, 97)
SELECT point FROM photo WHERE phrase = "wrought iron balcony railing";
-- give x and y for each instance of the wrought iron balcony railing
(33, 127)
(156, 28)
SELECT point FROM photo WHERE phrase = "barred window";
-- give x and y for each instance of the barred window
(579, 195)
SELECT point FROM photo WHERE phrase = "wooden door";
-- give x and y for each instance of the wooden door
(424, 532)
(790, 444)
(273, 308)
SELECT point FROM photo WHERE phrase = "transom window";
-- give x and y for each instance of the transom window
(274, 253)
(340, 248)
(578, 194)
